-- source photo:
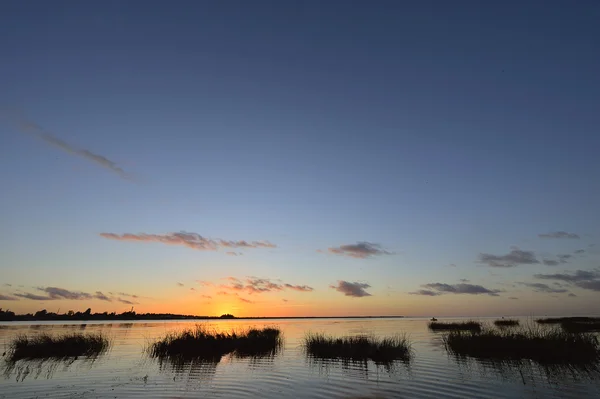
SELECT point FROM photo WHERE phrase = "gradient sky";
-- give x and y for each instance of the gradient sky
(380, 158)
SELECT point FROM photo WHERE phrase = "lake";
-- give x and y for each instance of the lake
(127, 372)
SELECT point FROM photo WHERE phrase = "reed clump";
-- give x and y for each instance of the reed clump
(202, 343)
(358, 348)
(457, 326)
(543, 345)
(46, 346)
(506, 322)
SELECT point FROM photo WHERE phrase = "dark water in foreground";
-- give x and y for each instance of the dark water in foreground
(126, 372)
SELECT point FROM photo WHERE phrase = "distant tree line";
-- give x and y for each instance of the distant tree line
(7, 315)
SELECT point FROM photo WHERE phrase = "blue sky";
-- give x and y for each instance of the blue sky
(438, 131)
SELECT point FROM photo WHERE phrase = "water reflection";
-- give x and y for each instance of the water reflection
(528, 371)
(357, 369)
(46, 368)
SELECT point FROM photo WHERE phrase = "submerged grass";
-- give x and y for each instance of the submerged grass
(45, 346)
(506, 322)
(202, 343)
(380, 350)
(543, 345)
(459, 326)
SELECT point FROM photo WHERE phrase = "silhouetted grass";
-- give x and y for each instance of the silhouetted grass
(545, 346)
(506, 322)
(380, 350)
(459, 326)
(45, 346)
(201, 343)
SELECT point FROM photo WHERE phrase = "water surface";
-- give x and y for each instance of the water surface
(127, 372)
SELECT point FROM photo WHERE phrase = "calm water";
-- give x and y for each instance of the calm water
(125, 372)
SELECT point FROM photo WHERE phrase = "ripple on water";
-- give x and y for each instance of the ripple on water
(126, 372)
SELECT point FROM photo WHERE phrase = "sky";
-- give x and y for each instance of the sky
(300, 158)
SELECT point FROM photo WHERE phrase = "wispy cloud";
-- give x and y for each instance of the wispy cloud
(233, 253)
(513, 258)
(245, 300)
(127, 295)
(102, 297)
(192, 289)
(34, 297)
(586, 279)
(126, 301)
(180, 284)
(462, 288)
(361, 250)
(7, 298)
(539, 287)
(550, 262)
(355, 289)
(564, 258)
(579, 251)
(513, 298)
(206, 296)
(190, 240)
(37, 131)
(559, 234)
(7, 285)
(425, 292)
(255, 285)
(464, 280)
(56, 293)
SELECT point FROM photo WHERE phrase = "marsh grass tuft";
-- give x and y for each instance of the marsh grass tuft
(543, 345)
(358, 348)
(202, 343)
(458, 326)
(45, 346)
(506, 322)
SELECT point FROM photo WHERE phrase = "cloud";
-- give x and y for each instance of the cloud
(245, 300)
(359, 250)
(452, 265)
(513, 258)
(513, 297)
(539, 287)
(564, 257)
(588, 280)
(233, 253)
(253, 285)
(205, 283)
(7, 285)
(37, 131)
(190, 240)
(192, 289)
(34, 297)
(101, 296)
(425, 292)
(572, 295)
(301, 288)
(579, 251)
(128, 295)
(593, 285)
(207, 296)
(462, 288)
(464, 280)
(126, 301)
(7, 298)
(550, 262)
(180, 284)
(355, 289)
(284, 300)
(61, 293)
(559, 234)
